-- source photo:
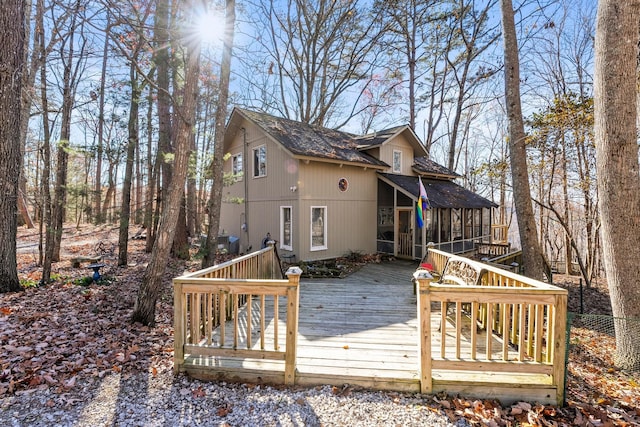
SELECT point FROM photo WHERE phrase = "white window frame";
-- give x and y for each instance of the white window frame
(256, 167)
(324, 245)
(397, 169)
(283, 245)
(237, 173)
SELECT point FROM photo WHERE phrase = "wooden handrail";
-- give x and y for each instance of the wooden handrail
(515, 324)
(215, 310)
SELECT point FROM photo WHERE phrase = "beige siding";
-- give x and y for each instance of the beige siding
(351, 215)
(265, 194)
(399, 143)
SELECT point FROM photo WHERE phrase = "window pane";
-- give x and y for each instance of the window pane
(456, 224)
(285, 237)
(318, 228)
(236, 162)
(397, 161)
(260, 161)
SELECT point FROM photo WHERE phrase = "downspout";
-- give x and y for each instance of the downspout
(245, 178)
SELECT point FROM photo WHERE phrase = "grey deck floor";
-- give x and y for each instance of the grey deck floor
(364, 325)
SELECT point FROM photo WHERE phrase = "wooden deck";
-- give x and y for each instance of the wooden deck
(362, 330)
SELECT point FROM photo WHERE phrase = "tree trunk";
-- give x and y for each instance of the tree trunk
(162, 61)
(152, 173)
(192, 192)
(615, 107)
(125, 210)
(46, 148)
(28, 81)
(180, 247)
(532, 255)
(12, 60)
(215, 198)
(145, 306)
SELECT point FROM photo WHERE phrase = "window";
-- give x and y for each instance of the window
(397, 161)
(236, 166)
(456, 224)
(477, 222)
(285, 228)
(318, 228)
(260, 161)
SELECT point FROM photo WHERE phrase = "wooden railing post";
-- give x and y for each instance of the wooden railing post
(423, 279)
(179, 326)
(293, 274)
(560, 345)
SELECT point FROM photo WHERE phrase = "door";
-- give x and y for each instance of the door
(404, 233)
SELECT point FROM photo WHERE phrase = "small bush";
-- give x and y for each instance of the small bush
(29, 283)
(83, 281)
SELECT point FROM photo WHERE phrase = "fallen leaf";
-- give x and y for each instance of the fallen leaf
(223, 411)
(70, 382)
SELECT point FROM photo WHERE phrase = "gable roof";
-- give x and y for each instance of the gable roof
(308, 141)
(376, 139)
(441, 194)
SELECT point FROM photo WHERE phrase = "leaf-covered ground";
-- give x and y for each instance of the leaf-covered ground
(69, 332)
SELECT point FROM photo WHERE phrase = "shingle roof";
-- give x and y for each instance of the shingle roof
(441, 193)
(307, 140)
(377, 138)
(424, 165)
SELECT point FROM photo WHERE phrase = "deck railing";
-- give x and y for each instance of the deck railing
(514, 326)
(224, 311)
(492, 250)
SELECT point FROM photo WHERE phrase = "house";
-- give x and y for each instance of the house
(323, 193)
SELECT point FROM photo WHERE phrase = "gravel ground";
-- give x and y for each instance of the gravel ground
(165, 400)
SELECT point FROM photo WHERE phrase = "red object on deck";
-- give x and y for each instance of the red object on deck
(426, 266)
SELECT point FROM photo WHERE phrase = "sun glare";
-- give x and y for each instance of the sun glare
(210, 27)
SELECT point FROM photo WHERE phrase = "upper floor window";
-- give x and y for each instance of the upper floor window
(397, 161)
(260, 161)
(236, 166)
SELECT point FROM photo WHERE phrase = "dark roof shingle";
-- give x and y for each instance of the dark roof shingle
(307, 140)
(427, 166)
(441, 193)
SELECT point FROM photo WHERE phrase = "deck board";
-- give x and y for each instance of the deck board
(361, 330)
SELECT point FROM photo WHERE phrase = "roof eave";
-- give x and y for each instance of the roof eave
(339, 162)
(435, 175)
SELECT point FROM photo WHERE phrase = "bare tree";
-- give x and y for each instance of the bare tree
(161, 58)
(97, 214)
(532, 254)
(46, 219)
(616, 113)
(412, 21)
(474, 35)
(562, 136)
(145, 305)
(319, 53)
(215, 198)
(133, 47)
(72, 64)
(12, 60)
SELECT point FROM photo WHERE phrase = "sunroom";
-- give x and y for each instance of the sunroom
(456, 221)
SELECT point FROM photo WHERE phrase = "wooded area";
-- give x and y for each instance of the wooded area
(112, 113)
